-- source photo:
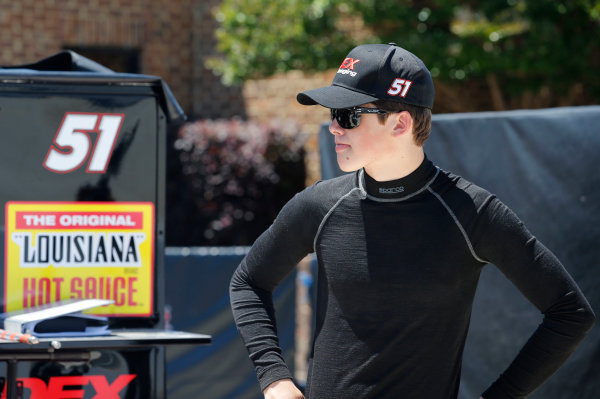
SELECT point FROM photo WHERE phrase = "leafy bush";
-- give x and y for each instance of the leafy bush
(228, 179)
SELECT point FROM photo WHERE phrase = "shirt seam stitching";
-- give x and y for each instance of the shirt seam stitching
(458, 224)
(329, 212)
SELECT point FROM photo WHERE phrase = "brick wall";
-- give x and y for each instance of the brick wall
(172, 36)
(275, 97)
(211, 98)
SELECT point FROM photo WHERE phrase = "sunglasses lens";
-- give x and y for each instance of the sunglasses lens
(346, 118)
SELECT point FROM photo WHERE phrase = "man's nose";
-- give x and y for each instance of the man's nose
(335, 128)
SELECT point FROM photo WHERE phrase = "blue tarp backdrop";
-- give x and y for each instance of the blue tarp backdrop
(197, 292)
(543, 164)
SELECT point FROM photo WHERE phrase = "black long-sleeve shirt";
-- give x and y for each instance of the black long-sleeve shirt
(399, 263)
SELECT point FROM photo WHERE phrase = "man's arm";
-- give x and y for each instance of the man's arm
(502, 239)
(272, 257)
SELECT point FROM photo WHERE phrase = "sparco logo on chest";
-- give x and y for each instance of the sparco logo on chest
(391, 190)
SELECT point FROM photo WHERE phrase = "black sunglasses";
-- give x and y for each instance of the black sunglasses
(349, 118)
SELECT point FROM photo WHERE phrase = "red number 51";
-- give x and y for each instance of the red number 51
(72, 144)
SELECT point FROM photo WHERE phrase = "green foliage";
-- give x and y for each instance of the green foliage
(525, 44)
(261, 37)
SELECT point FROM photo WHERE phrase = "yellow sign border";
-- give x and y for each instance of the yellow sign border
(114, 280)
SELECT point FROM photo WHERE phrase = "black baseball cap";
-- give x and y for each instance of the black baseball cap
(373, 72)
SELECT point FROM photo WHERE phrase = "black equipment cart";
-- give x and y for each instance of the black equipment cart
(82, 205)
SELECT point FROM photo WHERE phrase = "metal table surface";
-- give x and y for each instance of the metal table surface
(79, 348)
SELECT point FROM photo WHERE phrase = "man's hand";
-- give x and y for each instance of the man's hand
(283, 389)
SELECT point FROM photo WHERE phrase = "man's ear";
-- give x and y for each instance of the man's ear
(403, 123)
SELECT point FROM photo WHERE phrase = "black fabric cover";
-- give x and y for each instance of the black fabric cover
(68, 66)
(65, 60)
(542, 164)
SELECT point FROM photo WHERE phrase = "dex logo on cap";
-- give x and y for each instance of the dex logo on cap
(348, 63)
(347, 67)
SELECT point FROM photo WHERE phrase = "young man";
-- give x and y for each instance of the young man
(400, 245)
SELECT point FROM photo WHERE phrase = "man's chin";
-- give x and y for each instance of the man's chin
(347, 168)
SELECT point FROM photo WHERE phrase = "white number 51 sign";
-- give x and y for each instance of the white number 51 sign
(73, 144)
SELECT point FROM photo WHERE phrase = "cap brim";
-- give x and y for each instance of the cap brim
(334, 97)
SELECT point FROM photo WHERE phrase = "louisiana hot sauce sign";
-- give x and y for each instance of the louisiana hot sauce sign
(80, 250)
